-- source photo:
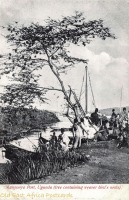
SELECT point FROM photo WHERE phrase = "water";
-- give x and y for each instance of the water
(30, 142)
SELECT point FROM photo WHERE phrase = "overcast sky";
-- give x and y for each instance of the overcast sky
(108, 60)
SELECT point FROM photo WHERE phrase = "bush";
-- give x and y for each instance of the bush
(20, 119)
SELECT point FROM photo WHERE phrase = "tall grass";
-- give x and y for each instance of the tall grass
(28, 168)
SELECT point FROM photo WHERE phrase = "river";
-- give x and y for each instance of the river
(31, 142)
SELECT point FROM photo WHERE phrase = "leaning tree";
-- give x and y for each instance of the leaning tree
(36, 46)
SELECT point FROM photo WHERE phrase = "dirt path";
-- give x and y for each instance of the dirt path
(107, 165)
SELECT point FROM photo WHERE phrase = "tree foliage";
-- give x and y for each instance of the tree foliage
(22, 95)
(36, 46)
(19, 119)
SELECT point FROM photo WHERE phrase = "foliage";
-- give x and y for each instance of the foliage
(22, 95)
(19, 119)
(36, 46)
(28, 168)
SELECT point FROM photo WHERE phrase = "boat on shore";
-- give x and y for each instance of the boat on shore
(13, 152)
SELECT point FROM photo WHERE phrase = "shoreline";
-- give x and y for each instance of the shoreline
(106, 166)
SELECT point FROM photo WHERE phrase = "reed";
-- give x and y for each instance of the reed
(27, 168)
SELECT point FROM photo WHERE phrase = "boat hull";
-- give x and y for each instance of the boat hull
(13, 153)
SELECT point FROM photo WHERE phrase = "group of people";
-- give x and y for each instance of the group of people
(72, 137)
(115, 121)
(120, 124)
(82, 128)
(119, 119)
(55, 143)
(87, 128)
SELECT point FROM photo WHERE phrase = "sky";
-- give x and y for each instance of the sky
(108, 64)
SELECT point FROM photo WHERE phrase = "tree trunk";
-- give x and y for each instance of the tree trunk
(70, 104)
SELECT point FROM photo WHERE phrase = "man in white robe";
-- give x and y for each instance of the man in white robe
(78, 134)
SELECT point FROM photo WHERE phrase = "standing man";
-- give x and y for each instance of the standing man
(78, 133)
(124, 115)
(54, 140)
(124, 118)
(113, 118)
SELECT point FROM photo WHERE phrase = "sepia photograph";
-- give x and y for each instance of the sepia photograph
(64, 92)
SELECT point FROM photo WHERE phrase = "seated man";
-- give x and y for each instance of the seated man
(89, 130)
(122, 140)
(42, 143)
(63, 140)
(95, 117)
(60, 137)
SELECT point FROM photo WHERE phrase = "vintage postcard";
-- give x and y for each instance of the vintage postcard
(64, 99)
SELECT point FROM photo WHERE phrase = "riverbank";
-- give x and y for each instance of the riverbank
(17, 123)
(107, 165)
(30, 141)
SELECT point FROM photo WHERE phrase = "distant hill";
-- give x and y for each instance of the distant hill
(108, 111)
